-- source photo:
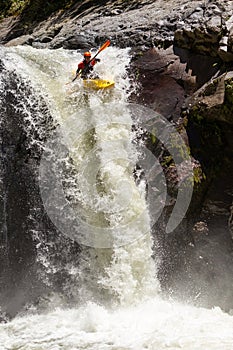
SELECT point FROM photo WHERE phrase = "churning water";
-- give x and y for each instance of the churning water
(99, 204)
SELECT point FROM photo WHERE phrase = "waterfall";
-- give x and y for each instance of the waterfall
(85, 175)
(94, 137)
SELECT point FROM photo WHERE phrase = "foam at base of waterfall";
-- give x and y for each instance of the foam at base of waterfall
(152, 324)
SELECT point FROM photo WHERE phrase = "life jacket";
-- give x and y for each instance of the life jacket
(86, 67)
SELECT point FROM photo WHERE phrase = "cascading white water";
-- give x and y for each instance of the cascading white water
(118, 302)
(122, 271)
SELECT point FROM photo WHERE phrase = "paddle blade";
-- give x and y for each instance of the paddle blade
(106, 44)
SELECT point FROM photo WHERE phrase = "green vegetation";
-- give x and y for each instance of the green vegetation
(198, 175)
(32, 10)
(229, 94)
(167, 161)
(12, 7)
(211, 88)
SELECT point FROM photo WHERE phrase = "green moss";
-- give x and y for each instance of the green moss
(32, 10)
(167, 161)
(153, 138)
(211, 88)
(17, 7)
(179, 149)
(229, 92)
(196, 115)
(12, 7)
(137, 74)
(198, 175)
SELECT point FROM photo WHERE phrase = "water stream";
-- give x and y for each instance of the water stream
(89, 192)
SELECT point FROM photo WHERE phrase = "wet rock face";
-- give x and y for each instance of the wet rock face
(208, 30)
(158, 73)
(167, 77)
(198, 26)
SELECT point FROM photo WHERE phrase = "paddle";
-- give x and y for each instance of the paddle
(104, 46)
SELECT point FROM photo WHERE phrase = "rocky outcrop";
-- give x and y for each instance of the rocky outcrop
(211, 97)
(204, 27)
(208, 30)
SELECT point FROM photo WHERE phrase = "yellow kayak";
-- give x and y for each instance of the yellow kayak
(97, 84)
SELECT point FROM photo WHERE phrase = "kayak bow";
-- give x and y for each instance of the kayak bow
(97, 84)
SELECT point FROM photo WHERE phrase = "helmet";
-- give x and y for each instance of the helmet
(87, 54)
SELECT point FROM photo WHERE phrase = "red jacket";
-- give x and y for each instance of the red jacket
(86, 68)
(83, 64)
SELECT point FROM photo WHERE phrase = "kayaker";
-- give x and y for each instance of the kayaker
(85, 68)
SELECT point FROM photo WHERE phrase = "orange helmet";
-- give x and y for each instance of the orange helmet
(87, 54)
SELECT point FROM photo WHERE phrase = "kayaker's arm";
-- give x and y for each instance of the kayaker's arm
(78, 72)
(84, 70)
